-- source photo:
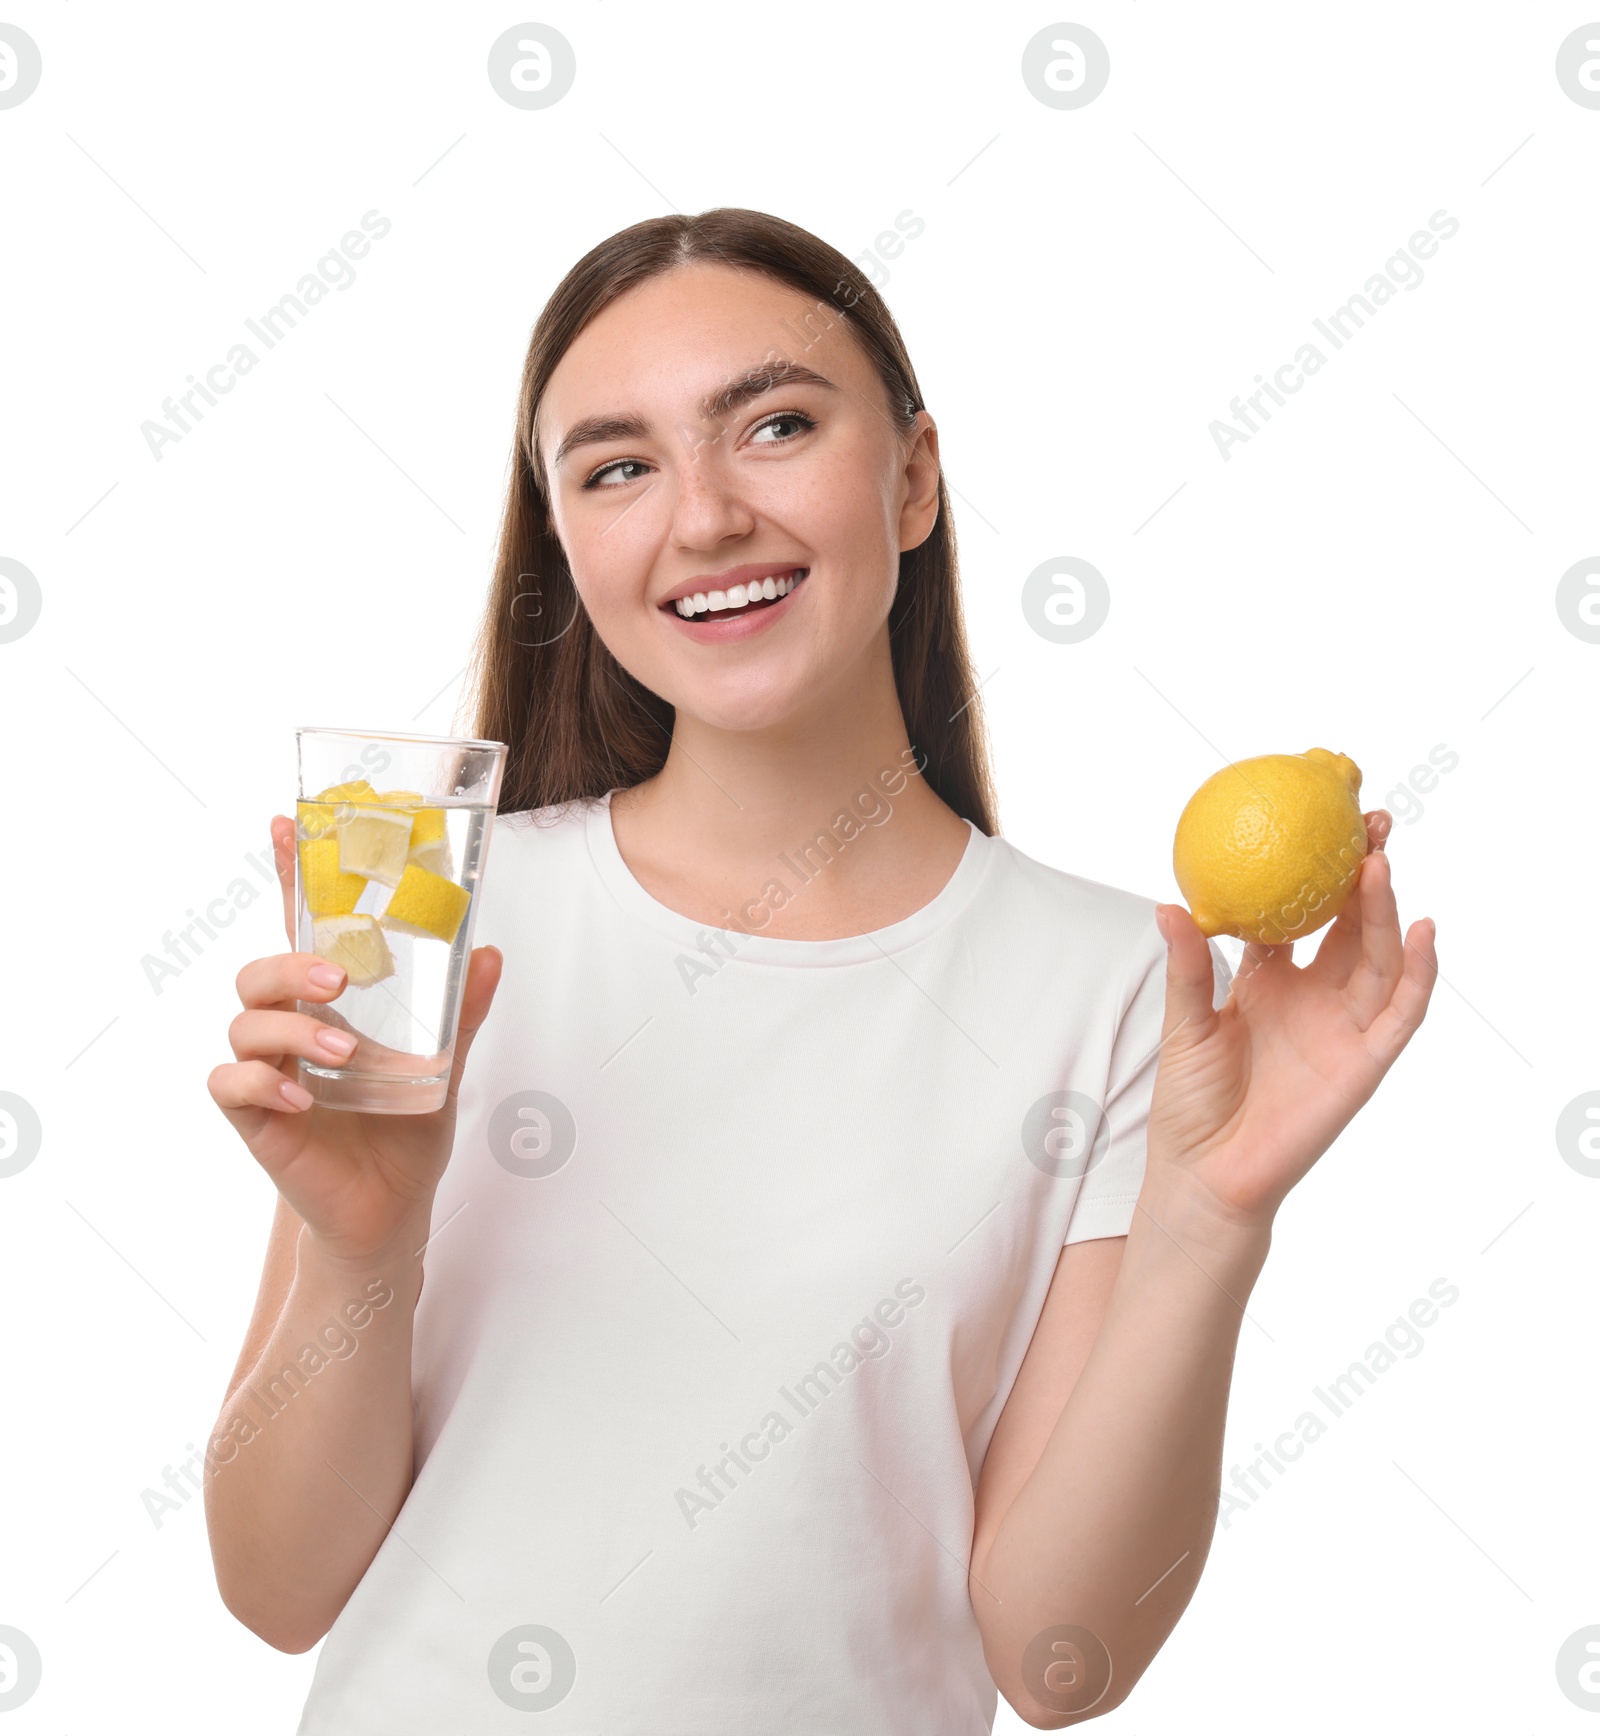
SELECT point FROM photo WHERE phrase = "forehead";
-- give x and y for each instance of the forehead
(678, 336)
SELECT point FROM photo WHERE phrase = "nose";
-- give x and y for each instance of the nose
(709, 506)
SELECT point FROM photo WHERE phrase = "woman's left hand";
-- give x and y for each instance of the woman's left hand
(1249, 1095)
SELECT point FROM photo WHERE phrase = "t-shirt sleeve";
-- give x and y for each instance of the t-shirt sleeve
(1106, 1196)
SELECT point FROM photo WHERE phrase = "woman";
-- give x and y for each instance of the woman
(836, 1246)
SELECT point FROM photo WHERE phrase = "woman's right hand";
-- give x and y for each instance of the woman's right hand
(356, 1180)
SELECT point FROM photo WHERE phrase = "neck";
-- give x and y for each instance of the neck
(752, 789)
(730, 806)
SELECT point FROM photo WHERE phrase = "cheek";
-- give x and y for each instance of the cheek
(843, 515)
(610, 554)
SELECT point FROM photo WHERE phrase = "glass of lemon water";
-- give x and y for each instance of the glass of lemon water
(391, 836)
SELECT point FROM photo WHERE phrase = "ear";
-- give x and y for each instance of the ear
(920, 510)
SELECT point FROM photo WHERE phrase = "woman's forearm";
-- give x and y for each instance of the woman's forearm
(1111, 1529)
(311, 1457)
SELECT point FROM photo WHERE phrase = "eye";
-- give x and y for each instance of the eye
(804, 422)
(616, 464)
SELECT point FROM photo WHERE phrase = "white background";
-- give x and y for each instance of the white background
(1373, 572)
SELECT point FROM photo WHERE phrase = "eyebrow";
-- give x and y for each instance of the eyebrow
(754, 382)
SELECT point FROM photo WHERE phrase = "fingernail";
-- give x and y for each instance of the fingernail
(296, 1096)
(335, 1042)
(326, 976)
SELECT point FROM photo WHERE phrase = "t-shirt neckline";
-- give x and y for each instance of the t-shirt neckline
(758, 948)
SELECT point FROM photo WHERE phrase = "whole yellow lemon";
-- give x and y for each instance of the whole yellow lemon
(1269, 848)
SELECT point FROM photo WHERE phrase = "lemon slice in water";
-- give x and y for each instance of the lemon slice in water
(427, 904)
(328, 892)
(373, 842)
(356, 944)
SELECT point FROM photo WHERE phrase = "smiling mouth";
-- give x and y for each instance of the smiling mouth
(759, 594)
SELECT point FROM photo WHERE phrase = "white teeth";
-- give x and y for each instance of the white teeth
(738, 596)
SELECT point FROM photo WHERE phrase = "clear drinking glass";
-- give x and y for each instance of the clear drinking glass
(391, 835)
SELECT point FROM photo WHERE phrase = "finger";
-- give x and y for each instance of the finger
(257, 1035)
(242, 1089)
(283, 854)
(286, 977)
(1339, 950)
(483, 978)
(1191, 982)
(1378, 968)
(1393, 1028)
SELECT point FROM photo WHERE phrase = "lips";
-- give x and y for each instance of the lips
(739, 599)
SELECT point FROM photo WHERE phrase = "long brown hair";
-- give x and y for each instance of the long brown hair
(576, 723)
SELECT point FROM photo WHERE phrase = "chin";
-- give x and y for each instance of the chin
(753, 699)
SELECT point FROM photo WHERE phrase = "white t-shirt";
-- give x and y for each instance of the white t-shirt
(739, 1250)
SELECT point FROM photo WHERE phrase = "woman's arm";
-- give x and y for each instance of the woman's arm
(1100, 1488)
(311, 1456)
(1096, 1506)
